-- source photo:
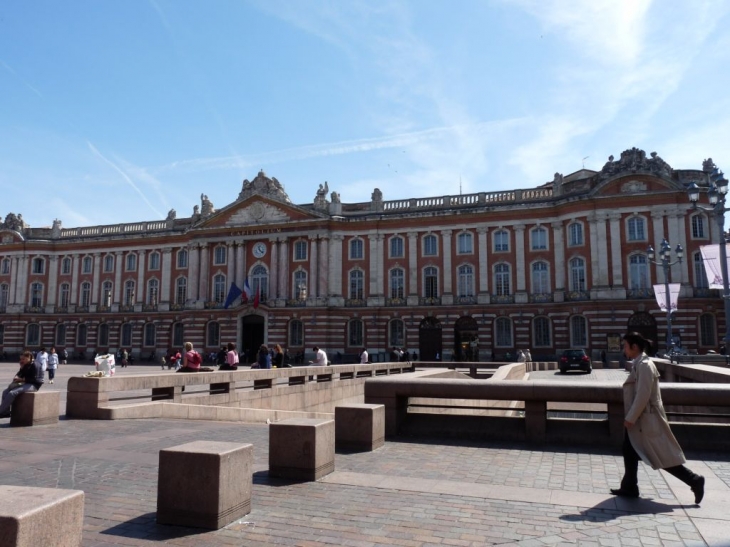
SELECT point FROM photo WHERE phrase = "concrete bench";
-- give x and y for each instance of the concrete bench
(359, 427)
(204, 484)
(302, 448)
(35, 408)
(30, 516)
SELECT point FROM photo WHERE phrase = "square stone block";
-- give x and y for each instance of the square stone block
(30, 516)
(302, 448)
(35, 408)
(204, 484)
(359, 427)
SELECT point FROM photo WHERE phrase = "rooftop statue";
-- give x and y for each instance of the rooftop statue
(263, 186)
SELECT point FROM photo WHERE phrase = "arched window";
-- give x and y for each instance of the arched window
(501, 241)
(541, 332)
(540, 278)
(396, 247)
(213, 335)
(129, 292)
(106, 293)
(296, 333)
(357, 285)
(4, 292)
(636, 229)
(181, 291)
(464, 243)
(260, 282)
(577, 274)
(430, 245)
(638, 272)
(699, 271)
(64, 294)
(154, 261)
(38, 266)
(126, 338)
(66, 266)
(131, 262)
(355, 333)
(219, 255)
(539, 238)
(356, 249)
(86, 265)
(699, 227)
(5, 268)
(465, 281)
(36, 295)
(33, 335)
(150, 335)
(153, 291)
(397, 283)
(109, 263)
(430, 282)
(178, 335)
(85, 294)
(707, 330)
(219, 288)
(82, 334)
(502, 279)
(104, 335)
(182, 258)
(503, 332)
(396, 333)
(300, 284)
(578, 332)
(575, 234)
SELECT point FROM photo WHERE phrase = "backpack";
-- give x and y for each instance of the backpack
(195, 358)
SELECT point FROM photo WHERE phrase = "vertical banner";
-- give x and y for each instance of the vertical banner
(711, 261)
(660, 292)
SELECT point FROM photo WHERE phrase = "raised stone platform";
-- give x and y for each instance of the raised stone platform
(359, 427)
(302, 448)
(35, 408)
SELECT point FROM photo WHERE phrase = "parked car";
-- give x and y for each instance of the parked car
(572, 359)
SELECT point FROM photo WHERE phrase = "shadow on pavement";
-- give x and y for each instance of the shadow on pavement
(607, 510)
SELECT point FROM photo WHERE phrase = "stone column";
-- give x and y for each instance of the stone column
(412, 288)
(335, 269)
(447, 296)
(324, 265)
(230, 265)
(657, 219)
(617, 260)
(14, 280)
(141, 295)
(240, 264)
(74, 280)
(520, 284)
(593, 228)
(559, 260)
(313, 276)
(52, 281)
(677, 235)
(284, 277)
(118, 266)
(203, 272)
(95, 285)
(166, 281)
(483, 253)
(23, 278)
(372, 257)
(602, 251)
(273, 269)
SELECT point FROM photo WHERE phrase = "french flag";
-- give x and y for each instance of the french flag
(247, 292)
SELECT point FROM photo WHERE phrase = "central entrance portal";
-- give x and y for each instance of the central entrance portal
(252, 336)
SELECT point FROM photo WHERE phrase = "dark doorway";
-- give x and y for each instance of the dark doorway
(429, 340)
(252, 335)
(645, 324)
(466, 338)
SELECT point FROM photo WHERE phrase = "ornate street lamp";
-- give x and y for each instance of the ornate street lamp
(665, 261)
(717, 192)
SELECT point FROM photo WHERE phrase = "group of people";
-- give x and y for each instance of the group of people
(524, 356)
(30, 377)
(401, 354)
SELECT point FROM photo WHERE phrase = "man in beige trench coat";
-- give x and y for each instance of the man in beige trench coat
(647, 435)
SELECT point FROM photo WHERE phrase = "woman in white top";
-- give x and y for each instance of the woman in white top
(52, 364)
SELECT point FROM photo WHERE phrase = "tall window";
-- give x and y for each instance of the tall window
(397, 283)
(578, 332)
(541, 332)
(66, 266)
(430, 282)
(539, 237)
(502, 279)
(36, 295)
(577, 268)
(430, 245)
(540, 278)
(82, 334)
(575, 234)
(181, 291)
(104, 335)
(698, 227)
(61, 335)
(636, 229)
(357, 285)
(638, 272)
(296, 333)
(260, 280)
(503, 334)
(150, 335)
(85, 294)
(464, 243)
(109, 263)
(5, 268)
(501, 241)
(154, 261)
(396, 333)
(106, 293)
(131, 262)
(707, 330)
(4, 291)
(396, 247)
(300, 250)
(213, 335)
(465, 280)
(33, 335)
(2, 335)
(129, 292)
(86, 265)
(356, 249)
(219, 288)
(153, 291)
(178, 335)
(355, 333)
(64, 295)
(38, 266)
(300, 284)
(126, 339)
(219, 256)
(182, 258)
(699, 270)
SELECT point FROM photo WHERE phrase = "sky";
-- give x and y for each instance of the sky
(114, 112)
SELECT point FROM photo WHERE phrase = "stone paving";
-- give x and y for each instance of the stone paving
(414, 492)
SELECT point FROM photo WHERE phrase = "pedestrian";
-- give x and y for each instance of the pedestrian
(278, 357)
(264, 357)
(221, 357)
(52, 365)
(647, 435)
(191, 359)
(28, 378)
(125, 358)
(364, 357)
(520, 356)
(162, 362)
(528, 356)
(231, 361)
(65, 356)
(320, 357)
(42, 359)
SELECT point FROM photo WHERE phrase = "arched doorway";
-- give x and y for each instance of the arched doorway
(252, 335)
(429, 339)
(645, 324)
(466, 339)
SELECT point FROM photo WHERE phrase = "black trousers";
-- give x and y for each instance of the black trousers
(630, 482)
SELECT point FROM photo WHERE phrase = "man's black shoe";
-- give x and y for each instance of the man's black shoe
(699, 489)
(625, 493)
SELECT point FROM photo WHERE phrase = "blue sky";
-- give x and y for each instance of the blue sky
(120, 111)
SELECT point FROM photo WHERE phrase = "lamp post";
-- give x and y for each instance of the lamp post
(665, 261)
(717, 191)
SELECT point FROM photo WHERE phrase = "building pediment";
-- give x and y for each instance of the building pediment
(257, 211)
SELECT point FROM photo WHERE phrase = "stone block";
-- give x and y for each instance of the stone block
(35, 408)
(359, 427)
(302, 448)
(204, 484)
(30, 516)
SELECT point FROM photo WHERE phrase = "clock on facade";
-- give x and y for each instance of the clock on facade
(259, 249)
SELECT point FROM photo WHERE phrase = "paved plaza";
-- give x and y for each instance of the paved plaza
(413, 492)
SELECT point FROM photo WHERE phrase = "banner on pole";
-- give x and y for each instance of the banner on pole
(713, 267)
(661, 296)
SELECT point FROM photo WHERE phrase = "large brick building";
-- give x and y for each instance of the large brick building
(478, 275)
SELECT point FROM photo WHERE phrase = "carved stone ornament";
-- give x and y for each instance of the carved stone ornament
(633, 186)
(257, 212)
(634, 160)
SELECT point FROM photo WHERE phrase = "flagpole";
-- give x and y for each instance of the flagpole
(665, 261)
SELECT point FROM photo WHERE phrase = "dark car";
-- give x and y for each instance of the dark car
(573, 359)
